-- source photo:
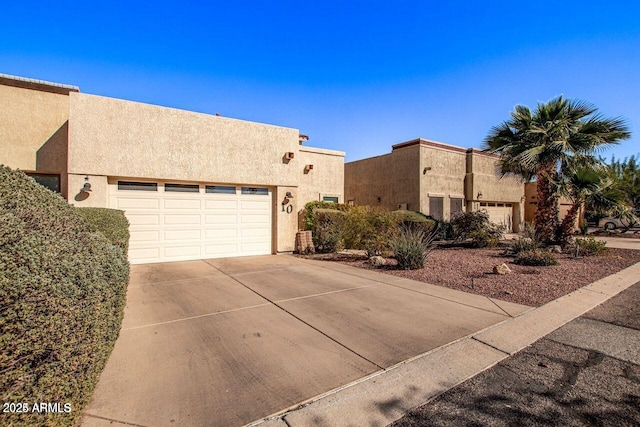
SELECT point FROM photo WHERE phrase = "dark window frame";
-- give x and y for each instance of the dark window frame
(170, 187)
(220, 189)
(137, 186)
(36, 175)
(255, 191)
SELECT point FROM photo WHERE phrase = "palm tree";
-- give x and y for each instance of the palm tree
(535, 144)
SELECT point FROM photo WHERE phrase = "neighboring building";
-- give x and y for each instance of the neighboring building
(531, 205)
(436, 179)
(192, 185)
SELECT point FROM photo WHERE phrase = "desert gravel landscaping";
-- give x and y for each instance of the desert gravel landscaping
(533, 286)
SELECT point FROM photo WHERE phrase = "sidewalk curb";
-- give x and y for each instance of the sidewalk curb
(386, 396)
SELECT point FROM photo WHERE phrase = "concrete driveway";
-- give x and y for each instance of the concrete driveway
(230, 341)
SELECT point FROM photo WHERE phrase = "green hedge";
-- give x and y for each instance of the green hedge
(327, 236)
(62, 293)
(110, 222)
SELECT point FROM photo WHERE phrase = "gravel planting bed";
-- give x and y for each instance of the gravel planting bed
(533, 286)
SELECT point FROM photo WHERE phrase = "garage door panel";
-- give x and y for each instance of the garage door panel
(141, 219)
(222, 233)
(174, 235)
(182, 226)
(144, 236)
(221, 219)
(148, 254)
(258, 205)
(254, 232)
(254, 219)
(253, 248)
(133, 203)
(181, 204)
(182, 251)
(182, 219)
(221, 204)
(221, 249)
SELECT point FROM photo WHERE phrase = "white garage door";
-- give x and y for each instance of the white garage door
(175, 222)
(499, 213)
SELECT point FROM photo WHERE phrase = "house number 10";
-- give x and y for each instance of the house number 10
(288, 209)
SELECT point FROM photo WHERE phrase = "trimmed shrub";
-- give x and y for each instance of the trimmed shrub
(414, 219)
(328, 230)
(476, 227)
(110, 222)
(536, 257)
(412, 247)
(369, 228)
(589, 246)
(62, 293)
(309, 219)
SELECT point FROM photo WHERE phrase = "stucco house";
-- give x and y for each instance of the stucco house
(192, 185)
(436, 179)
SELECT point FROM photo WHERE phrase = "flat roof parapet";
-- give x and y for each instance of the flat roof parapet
(428, 143)
(41, 85)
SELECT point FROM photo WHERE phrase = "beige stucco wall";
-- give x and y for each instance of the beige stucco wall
(393, 177)
(285, 224)
(444, 176)
(97, 198)
(114, 137)
(33, 130)
(325, 179)
(483, 176)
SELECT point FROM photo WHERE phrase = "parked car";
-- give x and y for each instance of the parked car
(610, 223)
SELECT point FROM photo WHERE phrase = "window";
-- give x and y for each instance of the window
(137, 186)
(501, 205)
(436, 205)
(220, 189)
(351, 202)
(182, 188)
(52, 182)
(483, 204)
(330, 199)
(455, 206)
(260, 191)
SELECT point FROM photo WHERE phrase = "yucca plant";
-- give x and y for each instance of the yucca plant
(412, 246)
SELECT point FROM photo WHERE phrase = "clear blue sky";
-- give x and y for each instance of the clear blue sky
(354, 76)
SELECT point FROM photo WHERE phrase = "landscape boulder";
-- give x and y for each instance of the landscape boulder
(377, 261)
(501, 269)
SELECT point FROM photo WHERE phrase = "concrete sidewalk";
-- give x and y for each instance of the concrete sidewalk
(620, 242)
(585, 373)
(386, 396)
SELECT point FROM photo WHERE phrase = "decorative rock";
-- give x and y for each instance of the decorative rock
(556, 249)
(501, 269)
(377, 261)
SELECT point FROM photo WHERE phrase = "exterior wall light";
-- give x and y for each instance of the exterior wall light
(424, 171)
(479, 195)
(289, 195)
(86, 188)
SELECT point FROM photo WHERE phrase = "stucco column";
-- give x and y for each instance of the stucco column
(285, 218)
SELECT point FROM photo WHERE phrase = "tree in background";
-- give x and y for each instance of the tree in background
(590, 186)
(536, 143)
(627, 173)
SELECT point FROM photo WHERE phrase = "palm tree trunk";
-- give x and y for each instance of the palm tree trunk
(546, 218)
(566, 227)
